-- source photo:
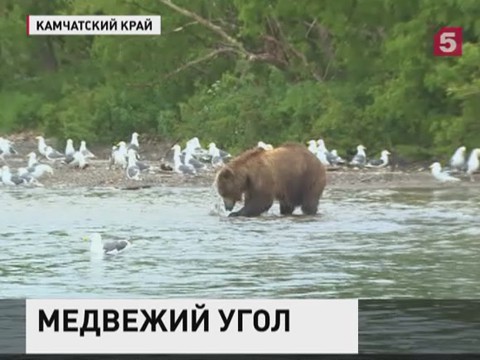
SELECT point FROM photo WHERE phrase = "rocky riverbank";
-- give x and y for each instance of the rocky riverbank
(98, 174)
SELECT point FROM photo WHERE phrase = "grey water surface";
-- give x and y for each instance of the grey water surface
(420, 243)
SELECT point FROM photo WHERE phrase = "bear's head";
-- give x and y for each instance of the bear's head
(231, 184)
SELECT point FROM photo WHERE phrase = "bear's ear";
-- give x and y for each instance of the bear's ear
(227, 173)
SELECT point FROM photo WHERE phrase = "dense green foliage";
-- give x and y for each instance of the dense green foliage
(238, 71)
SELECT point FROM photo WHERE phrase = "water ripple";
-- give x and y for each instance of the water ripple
(384, 244)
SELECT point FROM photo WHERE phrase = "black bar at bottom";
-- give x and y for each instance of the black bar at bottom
(12, 327)
(419, 326)
(246, 357)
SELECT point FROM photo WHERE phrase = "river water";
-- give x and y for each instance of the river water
(420, 243)
(381, 244)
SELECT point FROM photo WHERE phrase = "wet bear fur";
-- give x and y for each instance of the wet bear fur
(290, 174)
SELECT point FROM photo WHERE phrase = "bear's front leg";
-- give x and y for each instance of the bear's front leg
(254, 206)
(236, 213)
(245, 212)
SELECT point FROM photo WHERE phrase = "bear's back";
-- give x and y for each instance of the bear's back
(295, 171)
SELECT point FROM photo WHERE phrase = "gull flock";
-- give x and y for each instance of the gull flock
(458, 163)
(194, 159)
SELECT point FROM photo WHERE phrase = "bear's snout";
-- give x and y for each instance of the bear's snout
(229, 204)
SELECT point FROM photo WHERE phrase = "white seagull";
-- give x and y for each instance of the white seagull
(85, 152)
(69, 149)
(264, 146)
(473, 164)
(179, 166)
(440, 175)
(32, 159)
(322, 156)
(9, 179)
(42, 146)
(120, 155)
(36, 169)
(134, 143)
(53, 155)
(380, 163)
(195, 149)
(6, 149)
(360, 158)
(312, 146)
(133, 171)
(76, 160)
(336, 159)
(328, 155)
(111, 159)
(39, 170)
(214, 152)
(190, 160)
(193, 144)
(27, 177)
(107, 248)
(457, 161)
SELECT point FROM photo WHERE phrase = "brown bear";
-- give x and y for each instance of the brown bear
(289, 173)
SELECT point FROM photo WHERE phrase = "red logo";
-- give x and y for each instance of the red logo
(448, 41)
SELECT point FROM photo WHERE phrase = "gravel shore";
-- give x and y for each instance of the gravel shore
(98, 174)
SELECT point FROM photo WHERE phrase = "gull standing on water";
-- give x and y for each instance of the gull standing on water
(440, 175)
(108, 248)
(473, 163)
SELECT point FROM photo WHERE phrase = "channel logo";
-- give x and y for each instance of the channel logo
(448, 41)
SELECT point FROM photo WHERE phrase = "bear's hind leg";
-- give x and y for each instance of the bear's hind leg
(310, 207)
(286, 209)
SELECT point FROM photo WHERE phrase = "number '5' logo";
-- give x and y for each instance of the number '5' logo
(448, 41)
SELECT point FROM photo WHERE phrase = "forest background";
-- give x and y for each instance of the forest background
(238, 71)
